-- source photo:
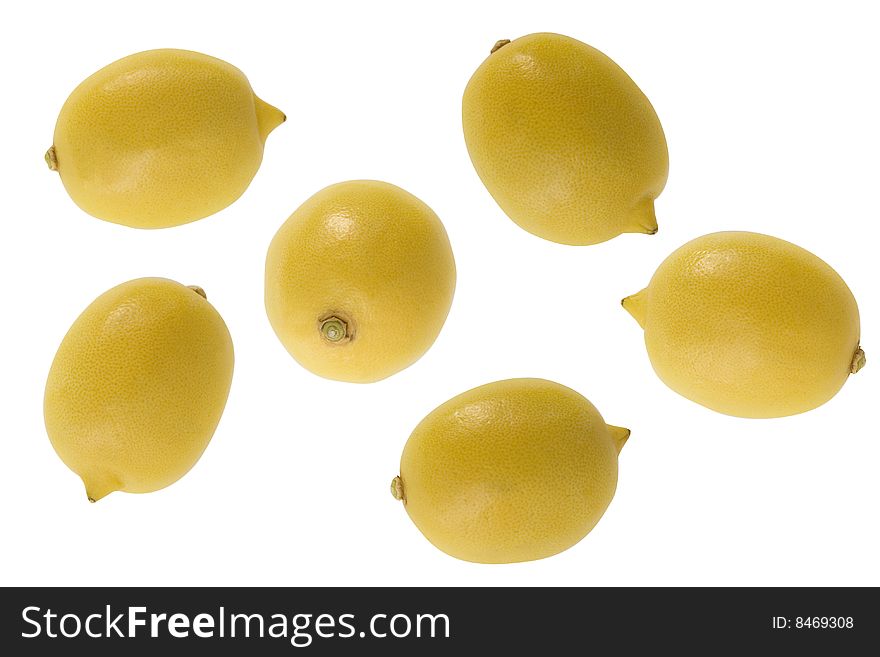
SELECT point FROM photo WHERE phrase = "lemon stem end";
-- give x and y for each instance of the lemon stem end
(858, 361)
(51, 159)
(499, 45)
(201, 292)
(334, 330)
(397, 489)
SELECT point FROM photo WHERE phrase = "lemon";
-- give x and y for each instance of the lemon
(749, 325)
(511, 471)
(138, 386)
(359, 281)
(160, 138)
(564, 140)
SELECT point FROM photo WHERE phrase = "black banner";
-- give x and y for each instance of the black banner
(422, 621)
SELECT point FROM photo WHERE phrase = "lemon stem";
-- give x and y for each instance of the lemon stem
(52, 159)
(199, 291)
(499, 45)
(335, 330)
(397, 489)
(858, 360)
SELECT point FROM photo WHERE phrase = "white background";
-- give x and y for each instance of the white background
(770, 111)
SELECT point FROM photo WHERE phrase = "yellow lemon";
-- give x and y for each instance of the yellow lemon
(160, 138)
(511, 471)
(138, 386)
(564, 140)
(359, 281)
(749, 325)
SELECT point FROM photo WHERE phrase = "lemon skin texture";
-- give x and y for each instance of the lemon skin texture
(749, 325)
(564, 140)
(359, 281)
(138, 386)
(511, 471)
(161, 138)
